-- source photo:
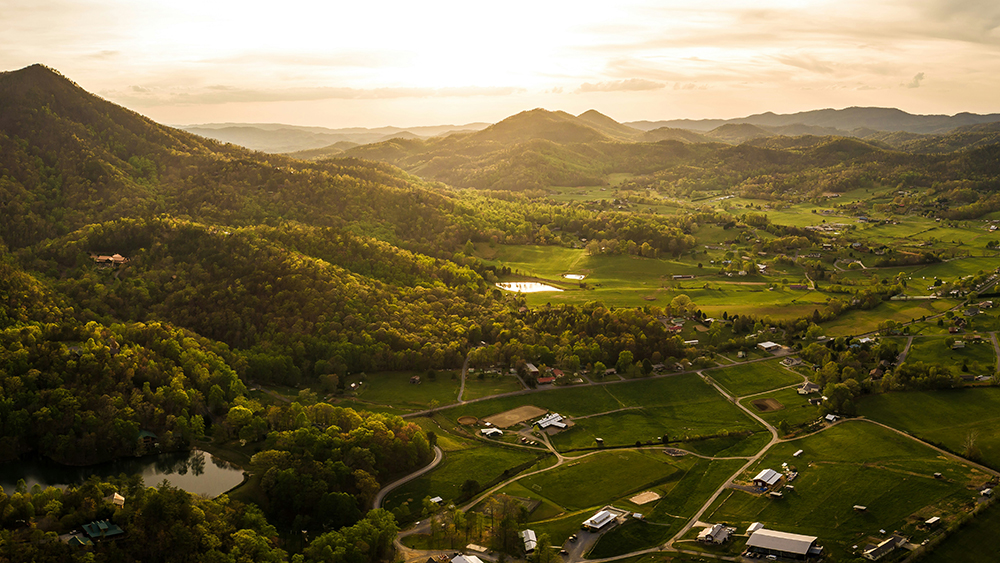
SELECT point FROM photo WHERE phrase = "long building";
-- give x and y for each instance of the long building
(599, 520)
(783, 544)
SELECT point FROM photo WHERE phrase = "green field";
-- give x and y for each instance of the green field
(393, 390)
(979, 357)
(481, 463)
(945, 417)
(748, 379)
(974, 541)
(854, 463)
(489, 385)
(859, 322)
(796, 412)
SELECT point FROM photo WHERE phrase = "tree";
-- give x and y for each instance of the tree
(625, 361)
(469, 488)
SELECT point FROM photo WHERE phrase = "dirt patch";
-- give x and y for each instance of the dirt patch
(506, 419)
(701, 328)
(643, 498)
(467, 420)
(767, 405)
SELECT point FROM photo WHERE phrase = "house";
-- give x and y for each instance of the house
(714, 534)
(767, 478)
(466, 559)
(102, 529)
(599, 520)
(491, 432)
(816, 401)
(437, 500)
(876, 552)
(876, 373)
(79, 540)
(783, 544)
(741, 354)
(769, 346)
(530, 541)
(554, 419)
(531, 369)
(546, 380)
(831, 418)
(953, 330)
(147, 438)
(117, 500)
(987, 492)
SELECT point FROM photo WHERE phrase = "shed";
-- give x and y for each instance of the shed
(531, 368)
(860, 508)
(754, 527)
(931, 522)
(437, 500)
(117, 500)
(769, 346)
(874, 553)
(831, 418)
(767, 478)
(797, 454)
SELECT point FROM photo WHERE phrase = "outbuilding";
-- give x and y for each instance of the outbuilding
(767, 478)
(783, 544)
(769, 346)
(876, 552)
(599, 520)
(530, 541)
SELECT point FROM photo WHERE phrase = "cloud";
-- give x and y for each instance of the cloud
(806, 63)
(224, 94)
(915, 83)
(628, 85)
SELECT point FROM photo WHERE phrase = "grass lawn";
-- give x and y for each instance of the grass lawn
(728, 446)
(854, 463)
(796, 412)
(978, 356)
(489, 385)
(859, 322)
(754, 378)
(633, 535)
(394, 390)
(945, 417)
(482, 463)
(601, 478)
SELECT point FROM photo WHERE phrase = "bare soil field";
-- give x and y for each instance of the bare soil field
(645, 497)
(767, 405)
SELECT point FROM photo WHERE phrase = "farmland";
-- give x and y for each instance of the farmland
(754, 378)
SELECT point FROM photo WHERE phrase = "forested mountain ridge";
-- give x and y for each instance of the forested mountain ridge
(69, 159)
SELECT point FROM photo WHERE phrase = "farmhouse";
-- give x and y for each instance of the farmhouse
(809, 387)
(769, 346)
(530, 541)
(767, 478)
(714, 534)
(876, 552)
(546, 380)
(599, 520)
(554, 419)
(783, 544)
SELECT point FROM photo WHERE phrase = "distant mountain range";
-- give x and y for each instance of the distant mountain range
(279, 138)
(889, 127)
(843, 120)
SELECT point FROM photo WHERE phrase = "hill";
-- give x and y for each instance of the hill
(844, 120)
(70, 158)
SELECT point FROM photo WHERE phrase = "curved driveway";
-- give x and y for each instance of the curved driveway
(403, 480)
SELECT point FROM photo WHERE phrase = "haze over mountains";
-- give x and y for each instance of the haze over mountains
(919, 133)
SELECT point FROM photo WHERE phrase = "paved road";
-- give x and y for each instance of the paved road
(438, 455)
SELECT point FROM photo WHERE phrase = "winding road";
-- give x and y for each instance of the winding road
(438, 456)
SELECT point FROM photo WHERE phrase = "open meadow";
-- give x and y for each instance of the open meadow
(748, 379)
(854, 463)
(948, 417)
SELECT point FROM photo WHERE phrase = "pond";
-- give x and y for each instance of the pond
(195, 471)
(526, 287)
(574, 276)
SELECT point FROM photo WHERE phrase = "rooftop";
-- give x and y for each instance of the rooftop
(781, 541)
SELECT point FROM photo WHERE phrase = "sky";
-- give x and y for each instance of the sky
(373, 63)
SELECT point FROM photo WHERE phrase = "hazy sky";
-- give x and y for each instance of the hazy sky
(380, 62)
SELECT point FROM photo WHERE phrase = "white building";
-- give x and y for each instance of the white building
(530, 541)
(599, 520)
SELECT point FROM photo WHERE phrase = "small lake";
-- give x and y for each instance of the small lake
(195, 471)
(574, 276)
(526, 287)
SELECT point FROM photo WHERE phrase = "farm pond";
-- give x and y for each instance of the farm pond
(194, 471)
(526, 287)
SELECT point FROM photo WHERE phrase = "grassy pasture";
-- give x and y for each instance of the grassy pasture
(854, 463)
(754, 378)
(859, 322)
(482, 463)
(945, 417)
(394, 389)
(489, 385)
(934, 350)
(797, 409)
(601, 478)
(974, 541)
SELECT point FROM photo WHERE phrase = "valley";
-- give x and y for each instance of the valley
(696, 307)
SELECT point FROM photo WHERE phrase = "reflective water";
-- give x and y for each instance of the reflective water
(526, 287)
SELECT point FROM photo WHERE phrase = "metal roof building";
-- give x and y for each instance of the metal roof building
(767, 478)
(530, 541)
(554, 419)
(466, 559)
(599, 520)
(783, 544)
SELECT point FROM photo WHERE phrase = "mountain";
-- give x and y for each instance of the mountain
(736, 133)
(556, 126)
(280, 138)
(844, 120)
(69, 158)
(610, 127)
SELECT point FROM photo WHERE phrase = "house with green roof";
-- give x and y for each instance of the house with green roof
(102, 529)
